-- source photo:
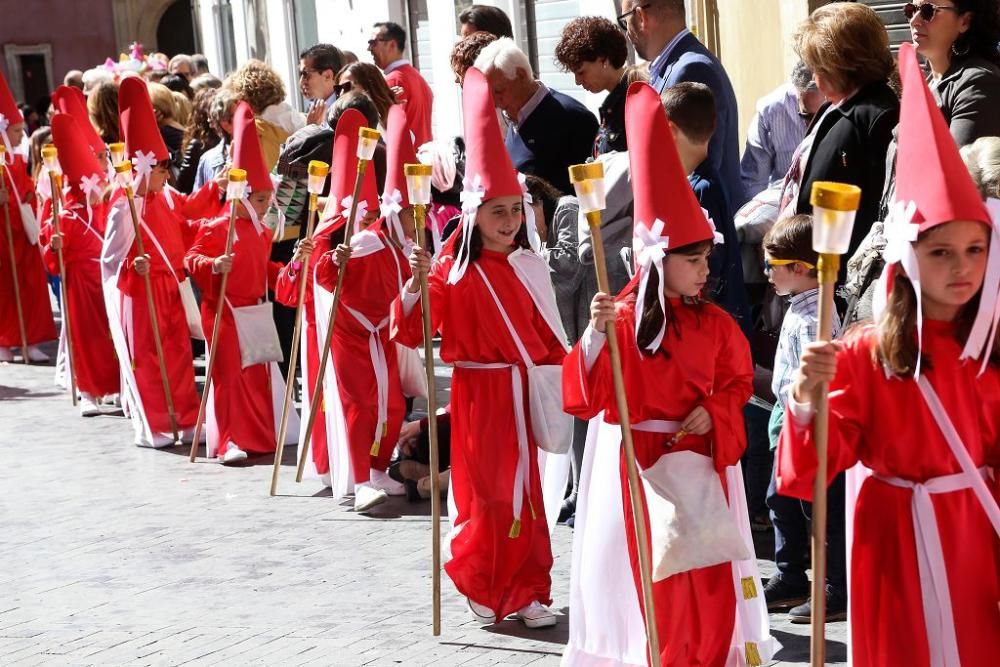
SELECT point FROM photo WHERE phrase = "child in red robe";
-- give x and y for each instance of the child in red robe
(246, 400)
(371, 395)
(688, 374)
(32, 287)
(492, 302)
(82, 220)
(915, 415)
(166, 236)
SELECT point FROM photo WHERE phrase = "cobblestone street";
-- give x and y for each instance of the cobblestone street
(114, 555)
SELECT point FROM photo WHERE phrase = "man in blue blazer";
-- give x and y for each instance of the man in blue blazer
(657, 29)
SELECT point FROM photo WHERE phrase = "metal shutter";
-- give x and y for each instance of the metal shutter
(891, 13)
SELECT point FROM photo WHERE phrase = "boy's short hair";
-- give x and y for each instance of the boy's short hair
(691, 107)
(791, 238)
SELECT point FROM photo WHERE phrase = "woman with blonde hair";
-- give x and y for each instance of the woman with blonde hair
(257, 84)
(368, 79)
(165, 110)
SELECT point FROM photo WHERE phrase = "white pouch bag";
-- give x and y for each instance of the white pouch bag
(191, 311)
(411, 372)
(30, 223)
(259, 342)
(690, 522)
(551, 426)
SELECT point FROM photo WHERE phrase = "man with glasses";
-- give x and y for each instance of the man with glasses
(657, 29)
(387, 43)
(318, 67)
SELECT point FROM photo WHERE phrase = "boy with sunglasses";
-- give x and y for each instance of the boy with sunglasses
(790, 265)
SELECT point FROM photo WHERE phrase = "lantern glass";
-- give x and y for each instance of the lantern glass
(123, 173)
(50, 156)
(418, 183)
(237, 185)
(317, 176)
(367, 142)
(117, 153)
(588, 181)
(835, 206)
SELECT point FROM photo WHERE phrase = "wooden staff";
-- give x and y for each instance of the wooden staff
(418, 179)
(834, 207)
(366, 146)
(13, 260)
(124, 172)
(235, 190)
(49, 155)
(317, 177)
(588, 181)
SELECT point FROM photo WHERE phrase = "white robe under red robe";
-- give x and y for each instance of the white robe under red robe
(487, 565)
(703, 616)
(363, 359)
(95, 365)
(128, 314)
(32, 283)
(243, 399)
(882, 422)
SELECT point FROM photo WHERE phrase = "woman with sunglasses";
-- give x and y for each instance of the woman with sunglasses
(958, 38)
(368, 79)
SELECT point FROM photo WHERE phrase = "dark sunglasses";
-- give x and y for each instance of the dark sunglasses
(926, 10)
(621, 18)
(342, 88)
(372, 42)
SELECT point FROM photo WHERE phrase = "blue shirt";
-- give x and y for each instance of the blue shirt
(775, 132)
(212, 161)
(800, 326)
(658, 67)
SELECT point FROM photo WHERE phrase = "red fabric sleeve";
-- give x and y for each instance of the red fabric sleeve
(849, 403)
(49, 256)
(732, 388)
(586, 394)
(408, 330)
(208, 244)
(205, 202)
(327, 271)
(273, 271)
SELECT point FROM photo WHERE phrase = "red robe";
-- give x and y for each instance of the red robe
(95, 364)
(34, 290)
(371, 284)
(286, 291)
(884, 424)
(487, 565)
(708, 365)
(417, 100)
(169, 230)
(243, 401)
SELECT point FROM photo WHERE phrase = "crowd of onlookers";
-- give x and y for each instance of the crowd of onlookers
(834, 120)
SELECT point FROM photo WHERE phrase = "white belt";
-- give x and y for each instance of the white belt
(936, 597)
(381, 368)
(657, 426)
(522, 478)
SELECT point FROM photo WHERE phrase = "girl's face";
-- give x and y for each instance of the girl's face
(952, 262)
(16, 134)
(685, 275)
(499, 220)
(259, 202)
(157, 179)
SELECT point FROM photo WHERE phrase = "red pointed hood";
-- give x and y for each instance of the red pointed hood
(399, 151)
(8, 107)
(486, 156)
(138, 124)
(929, 169)
(75, 157)
(660, 185)
(344, 170)
(70, 100)
(247, 154)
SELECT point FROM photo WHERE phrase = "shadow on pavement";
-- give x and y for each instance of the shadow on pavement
(795, 648)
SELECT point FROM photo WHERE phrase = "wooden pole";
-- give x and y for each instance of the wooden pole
(332, 319)
(56, 183)
(827, 268)
(13, 267)
(293, 355)
(634, 487)
(214, 345)
(420, 217)
(153, 319)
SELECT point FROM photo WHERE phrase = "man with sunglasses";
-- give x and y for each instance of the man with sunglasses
(318, 67)
(657, 29)
(387, 44)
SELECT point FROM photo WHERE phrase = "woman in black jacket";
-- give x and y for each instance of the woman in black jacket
(199, 136)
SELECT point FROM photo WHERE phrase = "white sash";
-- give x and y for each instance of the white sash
(381, 367)
(191, 312)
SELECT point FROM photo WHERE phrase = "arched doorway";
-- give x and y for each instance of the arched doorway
(175, 31)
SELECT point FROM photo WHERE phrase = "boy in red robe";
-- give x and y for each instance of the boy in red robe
(492, 302)
(915, 415)
(164, 235)
(246, 400)
(709, 611)
(18, 193)
(82, 220)
(371, 396)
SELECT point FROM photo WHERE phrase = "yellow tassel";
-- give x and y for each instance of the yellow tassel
(532, 508)
(375, 448)
(515, 529)
(753, 655)
(385, 429)
(749, 588)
